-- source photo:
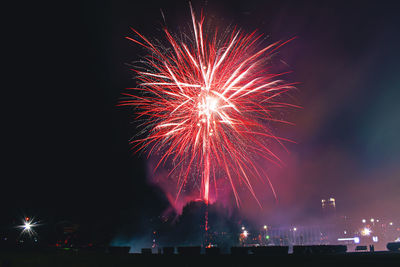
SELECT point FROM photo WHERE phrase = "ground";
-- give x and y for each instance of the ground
(73, 258)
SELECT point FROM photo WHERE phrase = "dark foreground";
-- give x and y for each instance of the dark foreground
(70, 258)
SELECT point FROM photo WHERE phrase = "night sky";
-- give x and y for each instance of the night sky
(65, 143)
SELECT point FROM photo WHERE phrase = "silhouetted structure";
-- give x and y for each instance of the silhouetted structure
(393, 246)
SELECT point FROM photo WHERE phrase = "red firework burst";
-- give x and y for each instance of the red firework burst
(205, 101)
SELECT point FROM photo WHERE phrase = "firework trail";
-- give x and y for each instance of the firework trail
(204, 101)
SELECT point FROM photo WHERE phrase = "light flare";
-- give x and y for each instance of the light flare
(27, 226)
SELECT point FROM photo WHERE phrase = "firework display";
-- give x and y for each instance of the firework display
(206, 100)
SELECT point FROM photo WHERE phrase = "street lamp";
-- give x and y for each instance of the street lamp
(27, 226)
(245, 233)
(366, 231)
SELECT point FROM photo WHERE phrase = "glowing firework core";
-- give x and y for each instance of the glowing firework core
(204, 101)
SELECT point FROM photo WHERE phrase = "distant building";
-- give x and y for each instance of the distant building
(299, 235)
(328, 206)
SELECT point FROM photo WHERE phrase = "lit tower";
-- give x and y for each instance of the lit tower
(331, 225)
(328, 205)
(328, 208)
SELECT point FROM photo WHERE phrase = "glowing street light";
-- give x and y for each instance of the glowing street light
(245, 233)
(366, 231)
(364, 221)
(372, 220)
(355, 239)
(265, 227)
(27, 226)
(391, 223)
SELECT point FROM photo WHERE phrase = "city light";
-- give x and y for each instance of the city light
(375, 238)
(355, 239)
(245, 233)
(265, 227)
(364, 221)
(372, 220)
(294, 229)
(391, 223)
(366, 231)
(27, 226)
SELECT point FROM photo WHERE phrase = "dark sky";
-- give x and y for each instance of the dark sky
(65, 143)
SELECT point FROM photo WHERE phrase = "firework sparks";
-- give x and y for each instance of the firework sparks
(204, 102)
